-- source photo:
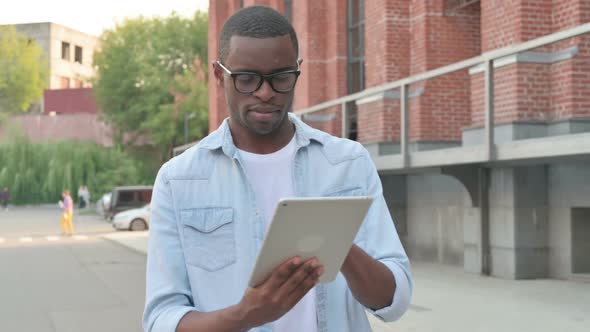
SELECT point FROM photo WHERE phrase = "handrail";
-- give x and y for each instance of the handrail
(491, 55)
(486, 59)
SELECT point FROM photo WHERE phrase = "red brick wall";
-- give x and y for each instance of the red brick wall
(387, 58)
(379, 121)
(571, 78)
(407, 37)
(321, 29)
(67, 127)
(499, 23)
(441, 38)
(535, 92)
(219, 11)
(69, 101)
(387, 31)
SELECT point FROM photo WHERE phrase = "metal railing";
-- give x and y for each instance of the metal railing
(487, 59)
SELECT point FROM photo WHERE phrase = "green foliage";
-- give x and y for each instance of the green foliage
(23, 71)
(38, 173)
(149, 77)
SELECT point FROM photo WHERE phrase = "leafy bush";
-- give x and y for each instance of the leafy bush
(38, 173)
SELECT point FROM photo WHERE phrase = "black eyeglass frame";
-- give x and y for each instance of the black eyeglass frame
(263, 77)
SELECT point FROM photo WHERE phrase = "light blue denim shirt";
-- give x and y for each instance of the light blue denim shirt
(206, 230)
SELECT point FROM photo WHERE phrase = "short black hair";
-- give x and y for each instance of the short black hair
(255, 22)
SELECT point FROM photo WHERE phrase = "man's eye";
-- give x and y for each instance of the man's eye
(282, 77)
(246, 78)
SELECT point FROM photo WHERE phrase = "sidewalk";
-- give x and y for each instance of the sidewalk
(447, 299)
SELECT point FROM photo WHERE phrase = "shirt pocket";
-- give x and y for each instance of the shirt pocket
(209, 239)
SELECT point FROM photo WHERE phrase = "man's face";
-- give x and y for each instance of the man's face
(264, 111)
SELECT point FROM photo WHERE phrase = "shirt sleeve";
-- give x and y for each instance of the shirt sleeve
(168, 293)
(380, 240)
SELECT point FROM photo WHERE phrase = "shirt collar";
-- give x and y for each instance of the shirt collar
(222, 139)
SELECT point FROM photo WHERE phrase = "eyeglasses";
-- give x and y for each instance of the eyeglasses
(249, 82)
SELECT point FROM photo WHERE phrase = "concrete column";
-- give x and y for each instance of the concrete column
(396, 195)
(519, 222)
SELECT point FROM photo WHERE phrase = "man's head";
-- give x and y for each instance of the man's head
(255, 22)
(259, 41)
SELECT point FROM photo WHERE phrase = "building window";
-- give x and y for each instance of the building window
(241, 3)
(65, 51)
(355, 58)
(289, 10)
(78, 54)
(76, 84)
(64, 82)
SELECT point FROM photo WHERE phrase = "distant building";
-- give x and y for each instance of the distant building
(69, 53)
(68, 110)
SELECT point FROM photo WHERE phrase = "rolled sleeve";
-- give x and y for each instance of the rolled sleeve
(401, 297)
(168, 292)
(381, 241)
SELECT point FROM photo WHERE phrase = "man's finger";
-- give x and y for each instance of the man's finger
(282, 273)
(298, 277)
(305, 286)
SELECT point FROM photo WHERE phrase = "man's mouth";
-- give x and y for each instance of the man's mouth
(264, 114)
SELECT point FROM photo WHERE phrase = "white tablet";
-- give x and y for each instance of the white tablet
(322, 227)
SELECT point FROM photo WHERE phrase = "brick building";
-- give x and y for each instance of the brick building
(509, 197)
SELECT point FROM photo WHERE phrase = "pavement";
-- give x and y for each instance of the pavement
(55, 283)
(447, 299)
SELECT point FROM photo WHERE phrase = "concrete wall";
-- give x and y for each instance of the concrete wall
(581, 240)
(569, 185)
(530, 219)
(49, 36)
(518, 222)
(438, 209)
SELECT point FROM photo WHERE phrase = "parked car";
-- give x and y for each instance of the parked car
(127, 198)
(133, 220)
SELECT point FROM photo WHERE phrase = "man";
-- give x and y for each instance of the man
(213, 203)
(81, 197)
(67, 222)
(4, 197)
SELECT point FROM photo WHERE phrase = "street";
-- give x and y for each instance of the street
(95, 282)
(59, 284)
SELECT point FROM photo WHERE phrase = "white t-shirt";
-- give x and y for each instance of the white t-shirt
(271, 177)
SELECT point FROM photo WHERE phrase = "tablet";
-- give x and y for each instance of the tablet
(322, 227)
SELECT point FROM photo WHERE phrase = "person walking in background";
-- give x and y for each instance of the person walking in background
(4, 197)
(67, 223)
(86, 196)
(81, 197)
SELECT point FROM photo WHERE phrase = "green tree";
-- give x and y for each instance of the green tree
(37, 173)
(23, 71)
(149, 77)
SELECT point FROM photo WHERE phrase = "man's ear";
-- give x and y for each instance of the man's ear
(218, 72)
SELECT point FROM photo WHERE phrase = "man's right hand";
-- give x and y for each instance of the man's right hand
(285, 287)
(262, 304)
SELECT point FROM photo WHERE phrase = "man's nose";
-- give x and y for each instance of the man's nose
(265, 93)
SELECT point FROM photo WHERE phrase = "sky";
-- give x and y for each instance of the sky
(92, 16)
